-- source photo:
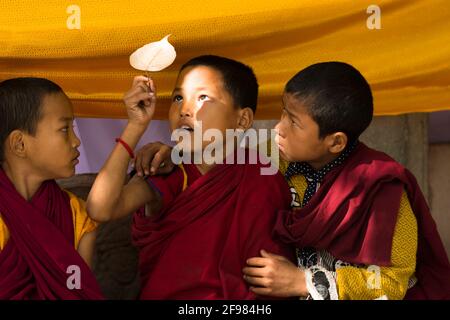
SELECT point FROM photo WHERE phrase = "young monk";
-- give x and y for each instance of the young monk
(360, 223)
(46, 236)
(203, 221)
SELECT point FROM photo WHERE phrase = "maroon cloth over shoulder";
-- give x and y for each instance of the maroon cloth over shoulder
(34, 262)
(196, 248)
(353, 216)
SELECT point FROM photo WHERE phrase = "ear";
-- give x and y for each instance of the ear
(16, 143)
(245, 118)
(337, 142)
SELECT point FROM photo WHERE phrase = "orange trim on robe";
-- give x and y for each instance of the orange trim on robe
(82, 223)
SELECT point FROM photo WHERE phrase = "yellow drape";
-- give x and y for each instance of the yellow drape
(407, 61)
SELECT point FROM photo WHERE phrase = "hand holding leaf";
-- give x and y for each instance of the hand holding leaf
(140, 101)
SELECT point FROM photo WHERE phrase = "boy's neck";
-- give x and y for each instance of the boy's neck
(26, 184)
(205, 168)
(322, 162)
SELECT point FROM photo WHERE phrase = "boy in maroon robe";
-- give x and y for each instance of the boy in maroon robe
(360, 223)
(41, 226)
(203, 221)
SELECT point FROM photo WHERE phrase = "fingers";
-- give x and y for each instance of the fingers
(138, 164)
(156, 162)
(143, 89)
(254, 272)
(162, 163)
(149, 159)
(138, 79)
(146, 83)
(142, 86)
(147, 156)
(257, 262)
(256, 281)
(146, 100)
(153, 158)
(266, 254)
(136, 95)
(261, 291)
(166, 165)
(143, 157)
(151, 85)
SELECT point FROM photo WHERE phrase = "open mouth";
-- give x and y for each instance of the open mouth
(186, 127)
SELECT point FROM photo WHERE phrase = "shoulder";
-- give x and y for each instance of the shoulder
(262, 167)
(368, 155)
(173, 181)
(267, 182)
(374, 165)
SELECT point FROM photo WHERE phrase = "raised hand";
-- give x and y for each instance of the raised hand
(140, 101)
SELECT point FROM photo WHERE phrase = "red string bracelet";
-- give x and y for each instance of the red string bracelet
(126, 146)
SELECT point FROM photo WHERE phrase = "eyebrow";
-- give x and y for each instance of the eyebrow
(66, 119)
(197, 88)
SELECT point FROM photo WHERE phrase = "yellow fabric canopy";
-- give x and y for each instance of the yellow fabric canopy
(407, 61)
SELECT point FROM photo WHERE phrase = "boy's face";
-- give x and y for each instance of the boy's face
(199, 95)
(298, 134)
(52, 151)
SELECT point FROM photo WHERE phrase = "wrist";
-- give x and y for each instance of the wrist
(126, 146)
(132, 134)
(300, 284)
(136, 128)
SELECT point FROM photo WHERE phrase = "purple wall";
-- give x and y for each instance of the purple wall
(97, 139)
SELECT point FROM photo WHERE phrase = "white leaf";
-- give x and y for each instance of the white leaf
(154, 56)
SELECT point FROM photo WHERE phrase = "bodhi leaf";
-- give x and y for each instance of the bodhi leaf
(154, 56)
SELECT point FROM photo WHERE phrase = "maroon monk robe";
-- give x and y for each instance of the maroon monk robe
(197, 246)
(34, 262)
(354, 213)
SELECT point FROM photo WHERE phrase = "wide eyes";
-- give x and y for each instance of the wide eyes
(177, 98)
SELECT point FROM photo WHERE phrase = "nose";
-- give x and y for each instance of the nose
(75, 140)
(186, 110)
(278, 128)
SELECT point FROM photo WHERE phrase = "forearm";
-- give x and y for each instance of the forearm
(105, 196)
